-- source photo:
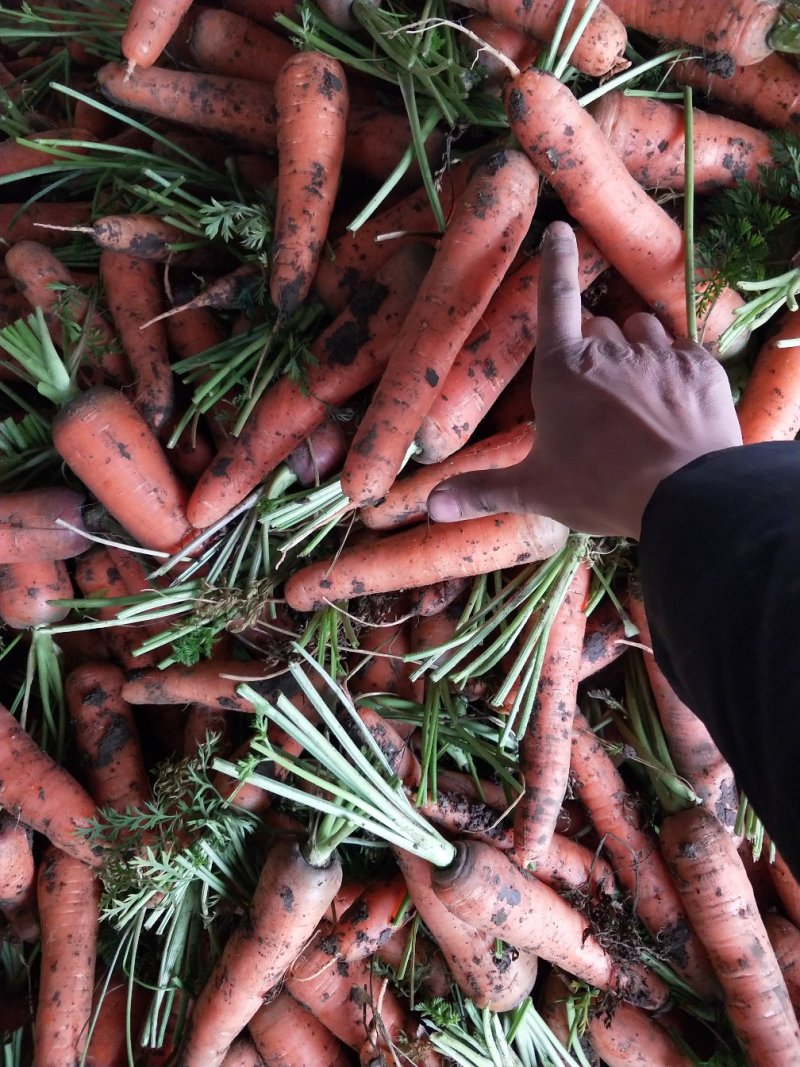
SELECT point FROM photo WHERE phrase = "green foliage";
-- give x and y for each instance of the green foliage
(251, 225)
(192, 647)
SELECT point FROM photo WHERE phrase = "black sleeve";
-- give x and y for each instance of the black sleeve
(720, 562)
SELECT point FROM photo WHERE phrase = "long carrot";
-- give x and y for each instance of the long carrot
(633, 232)
(720, 902)
(769, 407)
(287, 1034)
(150, 26)
(481, 240)
(649, 137)
(233, 106)
(348, 355)
(493, 354)
(17, 879)
(310, 94)
(30, 529)
(600, 48)
(635, 858)
(32, 222)
(734, 33)
(289, 900)
(785, 940)
(630, 1037)
(69, 898)
(768, 91)
(484, 888)
(223, 42)
(212, 682)
(28, 592)
(422, 556)
(108, 445)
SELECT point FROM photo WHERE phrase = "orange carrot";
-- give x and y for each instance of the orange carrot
(768, 91)
(481, 240)
(233, 106)
(369, 921)
(348, 355)
(603, 642)
(546, 745)
(108, 445)
(600, 48)
(289, 900)
(630, 1037)
(507, 40)
(311, 90)
(785, 940)
(149, 28)
(27, 591)
(107, 1045)
(425, 960)
(434, 599)
(422, 556)
(385, 670)
(377, 139)
(769, 407)
(786, 886)
(631, 230)
(729, 34)
(107, 736)
(648, 136)
(263, 11)
(201, 721)
(69, 909)
(134, 292)
(287, 1034)
(223, 293)
(147, 237)
(405, 502)
(17, 879)
(720, 902)
(492, 355)
(38, 273)
(225, 43)
(485, 889)
(16, 158)
(32, 222)
(692, 748)
(321, 454)
(30, 528)
(635, 858)
(242, 1053)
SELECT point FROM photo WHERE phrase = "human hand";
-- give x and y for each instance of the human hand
(617, 411)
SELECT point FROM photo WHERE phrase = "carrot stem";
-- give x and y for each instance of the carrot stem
(688, 211)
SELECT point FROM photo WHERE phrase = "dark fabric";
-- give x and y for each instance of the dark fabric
(720, 563)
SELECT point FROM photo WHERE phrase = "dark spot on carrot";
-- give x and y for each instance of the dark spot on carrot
(342, 968)
(287, 896)
(367, 443)
(325, 583)
(663, 145)
(431, 377)
(516, 105)
(569, 131)
(499, 917)
(330, 945)
(116, 734)
(123, 451)
(358, 588)
(330, 85)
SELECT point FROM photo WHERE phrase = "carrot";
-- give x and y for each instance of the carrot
(235, 107)
(212, 682)
(377, 139)
(41, 278)
(27, 591)
(30, 525)
(287, 1034)
(735, 33)
(242, 1053)
(485, 889)
(385, 671)
(785, 940)
(481, 240)
(370, 920)
(224, 293)
(648, 136)
(630, 1037)
(147, 237)
(16, 158)
(786, 886)
(17, 879)
(107, 1046)
(149, 28)
(492, 355)
(106, 442)
(263, 11)
(33, 222)
(69, 907)
(630, 229)
(769, 407)
(434, 599)
(395, 747)
(600, 48)
(288, 902)
(107, 737)
(546, 745)
(405, 502)
(347, 356)
(135, 295)
(194, 331)
(720, 902)
(321, 454)
(421, 556)
(635, 858)
(225, 43)
(423, 958)
(507, 40)
(692, 748)
(201, 721)
(604, 641)
(768, 91)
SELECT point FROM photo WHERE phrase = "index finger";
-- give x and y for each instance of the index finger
(559, 301)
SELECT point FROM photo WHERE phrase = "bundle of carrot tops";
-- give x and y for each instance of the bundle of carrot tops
(290, 776)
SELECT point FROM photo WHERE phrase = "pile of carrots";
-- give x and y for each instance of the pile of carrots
(269, 274)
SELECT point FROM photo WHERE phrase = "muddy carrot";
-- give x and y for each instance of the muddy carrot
(223, 42)
(28, 592)
(785, 940)
(17, 878)
(285, 1032)
(149, 28)
(768, 91)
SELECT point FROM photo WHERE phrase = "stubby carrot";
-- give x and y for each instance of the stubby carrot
(28, 592)
(135, 296)
(149, 28)
(17, 878)
(107, 443)
(233, 106)
(481, 240)
(286, 1033)
(769, 407)
(287, 905)
(424, 555)
(649, 137)
(30, 529)
(768, 91)
(720, 902)
(635, 234)
(484, 888)
(69, 908)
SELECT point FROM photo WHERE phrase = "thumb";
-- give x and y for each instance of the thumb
(469, 496)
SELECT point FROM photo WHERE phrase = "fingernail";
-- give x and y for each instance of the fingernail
(443, 505)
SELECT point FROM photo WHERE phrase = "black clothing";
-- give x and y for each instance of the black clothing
(720, 562)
